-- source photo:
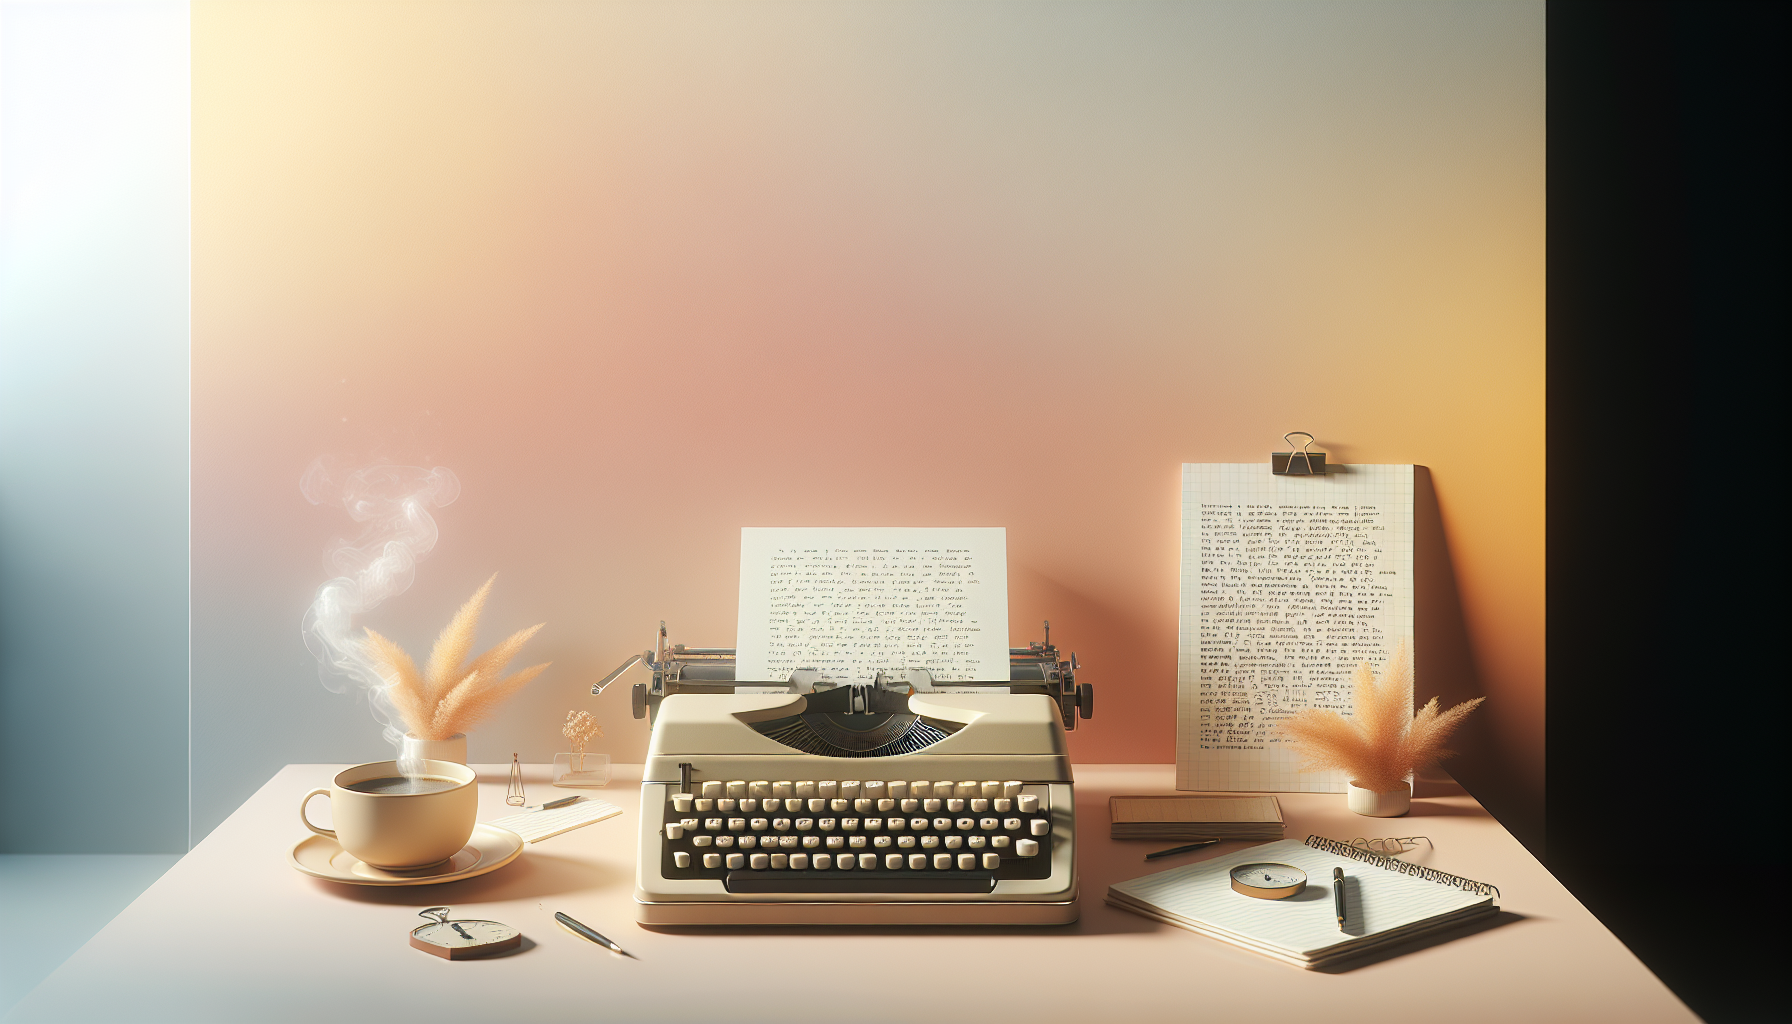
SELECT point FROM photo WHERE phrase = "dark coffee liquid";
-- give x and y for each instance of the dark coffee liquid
(398, 785)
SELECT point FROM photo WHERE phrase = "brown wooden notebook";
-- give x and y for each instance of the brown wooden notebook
(1195, 817)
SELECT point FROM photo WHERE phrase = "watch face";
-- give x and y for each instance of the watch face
(1268, 880)
(465, 938)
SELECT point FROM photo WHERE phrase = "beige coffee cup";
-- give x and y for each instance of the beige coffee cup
(400, 831)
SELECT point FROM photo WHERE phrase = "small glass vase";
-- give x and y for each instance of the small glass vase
(581, 771)
(1390, 803)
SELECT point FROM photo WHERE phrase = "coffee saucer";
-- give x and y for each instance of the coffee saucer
(489, 849)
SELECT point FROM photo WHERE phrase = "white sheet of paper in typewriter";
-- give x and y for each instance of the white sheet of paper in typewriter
(853, 601)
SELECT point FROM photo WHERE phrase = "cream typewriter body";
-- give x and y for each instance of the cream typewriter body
(886, 801)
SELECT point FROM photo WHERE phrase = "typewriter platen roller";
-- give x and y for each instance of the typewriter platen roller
(895, 800)
(676, 668)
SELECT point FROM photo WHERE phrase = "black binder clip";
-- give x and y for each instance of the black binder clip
(1301, 463)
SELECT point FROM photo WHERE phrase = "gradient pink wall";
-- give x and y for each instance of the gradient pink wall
(643, 274)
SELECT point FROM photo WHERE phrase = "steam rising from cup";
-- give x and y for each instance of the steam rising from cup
(392, 503)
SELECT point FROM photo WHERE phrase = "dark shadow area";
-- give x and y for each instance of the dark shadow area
(907, 930)
(1667, 327)
(1423, 787)
(1353, 905)
(1316, 889)
(523, 947)
(1445, 668)
(1427, 809)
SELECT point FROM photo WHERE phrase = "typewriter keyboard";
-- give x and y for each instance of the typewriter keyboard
(858, 836)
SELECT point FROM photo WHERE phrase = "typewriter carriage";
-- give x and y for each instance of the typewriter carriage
(1035, 668)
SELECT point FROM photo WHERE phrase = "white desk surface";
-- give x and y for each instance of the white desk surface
(233, 933)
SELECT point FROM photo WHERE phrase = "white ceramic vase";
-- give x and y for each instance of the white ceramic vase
(1390, 803)
(454, 748)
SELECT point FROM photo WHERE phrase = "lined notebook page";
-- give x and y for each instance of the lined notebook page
(1288, 582)
(1377, 900)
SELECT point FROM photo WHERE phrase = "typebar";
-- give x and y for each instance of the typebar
(866, 882)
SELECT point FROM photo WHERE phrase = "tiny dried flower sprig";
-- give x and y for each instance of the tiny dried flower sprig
(579, 730)
(451, 695)
(1380, 746)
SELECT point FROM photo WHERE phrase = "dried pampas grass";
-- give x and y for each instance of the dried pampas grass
(1381, 745)
(452, 695)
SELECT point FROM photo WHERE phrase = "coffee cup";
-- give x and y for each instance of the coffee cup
(397, 822)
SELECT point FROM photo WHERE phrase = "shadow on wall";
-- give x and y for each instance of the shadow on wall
(1446, 669)
(1104, 637)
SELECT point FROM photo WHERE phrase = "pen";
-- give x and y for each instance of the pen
(1172, 851)
(1338, 895)
(586, 932)
(562, 802)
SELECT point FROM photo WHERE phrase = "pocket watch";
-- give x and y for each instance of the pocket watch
(1268, 880)
(463, 940)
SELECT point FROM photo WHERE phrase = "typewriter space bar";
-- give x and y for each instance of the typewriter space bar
(861, 882)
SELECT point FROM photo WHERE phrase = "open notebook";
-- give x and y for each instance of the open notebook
(1386, 902)
(534, 826)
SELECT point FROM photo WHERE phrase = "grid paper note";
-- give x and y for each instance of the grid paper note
(1288, 582)
(534, 826)
(1376, 899)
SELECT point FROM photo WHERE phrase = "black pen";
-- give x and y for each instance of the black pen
(585, 931)
(1174, 850)
(1338, 895)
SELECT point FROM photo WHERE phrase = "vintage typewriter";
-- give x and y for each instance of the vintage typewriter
(893, 800)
